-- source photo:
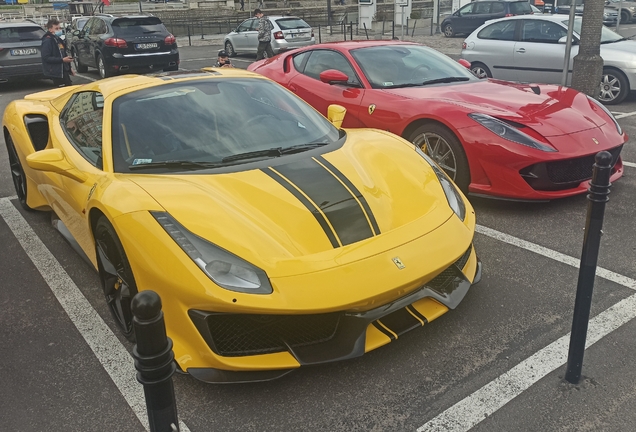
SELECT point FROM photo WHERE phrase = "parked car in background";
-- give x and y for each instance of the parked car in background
(77, 23)
(288, 32)
(115, 44)
(491, 137)
(474, 14)
(532, 49)
(610, 15)
(20, 56)
(627, 9)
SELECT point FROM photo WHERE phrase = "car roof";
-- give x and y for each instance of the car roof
(350, 45)
(544, 17)
(19, 24)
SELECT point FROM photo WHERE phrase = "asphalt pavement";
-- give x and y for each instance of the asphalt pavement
(496, 363)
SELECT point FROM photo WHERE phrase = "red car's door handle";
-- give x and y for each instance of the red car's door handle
(293, 88)
(521, 50)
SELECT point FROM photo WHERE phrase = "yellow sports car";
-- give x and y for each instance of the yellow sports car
(275, 238)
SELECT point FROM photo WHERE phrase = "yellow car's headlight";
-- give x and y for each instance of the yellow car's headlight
(453, 196)
(224, 268)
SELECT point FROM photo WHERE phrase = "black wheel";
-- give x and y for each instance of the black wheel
(445, 149)
(625, 17)
(76, 61)
(17, 173)
(480, 70)
(115, 274)
(614, 87)
(104, 71)
(229, 49)
(448, 30)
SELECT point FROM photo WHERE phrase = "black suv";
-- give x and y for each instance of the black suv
(114, 44)
(470, 17)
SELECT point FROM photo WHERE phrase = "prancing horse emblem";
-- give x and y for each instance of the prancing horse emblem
(371, 108)
(595, 141)
(398, 262)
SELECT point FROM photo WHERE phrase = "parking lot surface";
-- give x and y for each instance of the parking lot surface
(496, 363)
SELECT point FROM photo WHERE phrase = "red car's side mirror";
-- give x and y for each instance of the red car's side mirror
(332, 76)
(464, 63)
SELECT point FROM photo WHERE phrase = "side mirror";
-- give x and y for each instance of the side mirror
(77, 33)
(332, 76)
(336, 115)
(464, 63)
(52, 160)
(563, 40)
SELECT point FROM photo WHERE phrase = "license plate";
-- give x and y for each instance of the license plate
(146, 45)
(24, 51)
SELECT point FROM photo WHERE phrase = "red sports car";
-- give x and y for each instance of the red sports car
(494, 138)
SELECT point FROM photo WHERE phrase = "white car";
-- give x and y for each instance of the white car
(531, 48)
(288, 32)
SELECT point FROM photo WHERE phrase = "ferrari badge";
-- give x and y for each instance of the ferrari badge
(595, 141)
(371, 108)
(398, 262)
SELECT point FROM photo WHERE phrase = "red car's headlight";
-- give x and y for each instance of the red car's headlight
(508, 132)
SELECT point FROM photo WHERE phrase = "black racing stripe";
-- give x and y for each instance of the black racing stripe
(312, 208)
(336, 202)
(383, 330)
(401, 321)
(417, 314)
(356, 192)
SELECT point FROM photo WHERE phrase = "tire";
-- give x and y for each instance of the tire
(625, 17)
(115, 275)
(480, 70)
(436, 141)
(79, 67)
(614, 87)
(104, 71)
(229, 49)
(448, 31)
(17, 173)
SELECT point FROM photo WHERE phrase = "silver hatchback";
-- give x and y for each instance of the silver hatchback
(288, 32)
(20, 50)
(531, 48)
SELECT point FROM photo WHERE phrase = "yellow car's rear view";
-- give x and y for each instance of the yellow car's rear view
(274, 238)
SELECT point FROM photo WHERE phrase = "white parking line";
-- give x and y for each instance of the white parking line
(623, 115)
(85, 77)
(110, 352)
(471, 410)
(629, 164)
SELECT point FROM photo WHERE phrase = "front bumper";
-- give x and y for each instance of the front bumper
(353, 334)
(14, 71)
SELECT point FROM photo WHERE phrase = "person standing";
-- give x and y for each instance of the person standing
(56, 64)
(264, 35)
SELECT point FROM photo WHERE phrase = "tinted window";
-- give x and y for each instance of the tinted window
(245, 25)
(20, 34)
(80, 23)
(520, 8)
(498, 7)
(466, 10)
(299, 59)
(321, 60)
(82, 122)
(482, 8)
(209, 120)
(406, 65)
(136, 26)
(291, 23)
(542, 31)
(98, 27)
(502, 30)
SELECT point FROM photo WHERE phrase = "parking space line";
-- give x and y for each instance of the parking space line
(471, 410)
(629, 164)
(85, 77)
(623, 115)
(557, 256)
(110, 352)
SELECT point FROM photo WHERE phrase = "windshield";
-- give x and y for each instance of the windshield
(291, 23)
(392, 66)
(607, 36)
(212, 121)
(20, 34)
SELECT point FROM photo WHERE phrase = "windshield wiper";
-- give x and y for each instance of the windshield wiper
(189, 165)
(273, 152)
(301, 147)
(445, 80)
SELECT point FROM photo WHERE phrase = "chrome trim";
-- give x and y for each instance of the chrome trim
(146, 54)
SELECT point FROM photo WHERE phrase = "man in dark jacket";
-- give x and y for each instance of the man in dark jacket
(56, 64)
(264, 35)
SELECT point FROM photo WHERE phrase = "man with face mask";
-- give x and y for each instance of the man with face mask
(56, 64)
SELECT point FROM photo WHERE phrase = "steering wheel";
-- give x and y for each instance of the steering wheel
(418, 71)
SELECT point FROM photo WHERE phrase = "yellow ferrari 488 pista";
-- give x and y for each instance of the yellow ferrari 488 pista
(275, 238)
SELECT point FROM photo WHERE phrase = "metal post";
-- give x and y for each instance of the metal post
(189, 40)
(431, 24)
(383, 22)
(201, 29)
(402, 24)
(393, 29)
(319, 35)
(598, 195)
(365, 30)
(154, 361)
(437, 19)
(344, 31)
(329, 13)
(351, 30)
(413, 32)
(620, 12)
(568, 44)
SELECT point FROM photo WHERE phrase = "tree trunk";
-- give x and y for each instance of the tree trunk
(588, 64)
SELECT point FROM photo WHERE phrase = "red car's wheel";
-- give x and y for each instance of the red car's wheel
(115, 275)
(445, 149)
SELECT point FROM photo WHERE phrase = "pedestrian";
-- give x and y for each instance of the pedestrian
(264, 35)
(223, 60)
(56, 64)
(242, 5)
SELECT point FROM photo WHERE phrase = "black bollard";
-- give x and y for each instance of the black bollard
(598, 196)
(154, 361)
